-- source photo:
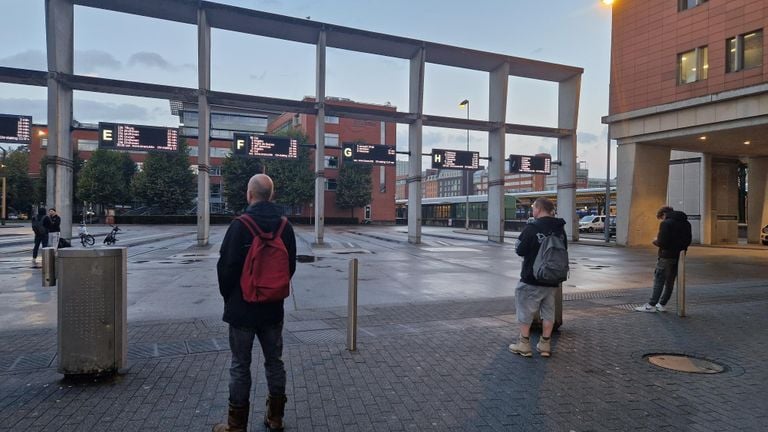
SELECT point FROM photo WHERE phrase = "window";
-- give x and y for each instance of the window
(744, 51)
(215, 170)
(331, 120)
(330, 184)
(331, 162)
(332, 139)
(692, 65)
(87, 145)
(688, 4)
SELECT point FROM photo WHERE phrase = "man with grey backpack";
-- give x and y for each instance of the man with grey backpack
(544, 249)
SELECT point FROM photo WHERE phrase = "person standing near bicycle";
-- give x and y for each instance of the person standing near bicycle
(52, 224)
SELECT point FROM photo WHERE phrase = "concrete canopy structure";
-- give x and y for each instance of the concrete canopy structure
(689, 77)
(206, 15)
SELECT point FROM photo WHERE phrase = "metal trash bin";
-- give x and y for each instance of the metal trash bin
(92, 308)
(537, 324)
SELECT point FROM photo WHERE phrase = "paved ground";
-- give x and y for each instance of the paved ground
(437, 361)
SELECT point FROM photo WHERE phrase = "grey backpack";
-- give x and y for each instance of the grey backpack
(551, 264)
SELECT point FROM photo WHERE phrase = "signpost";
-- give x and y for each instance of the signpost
(266, 146)
(455, 159)
(117, 136)
(373, 154)
(530, 164)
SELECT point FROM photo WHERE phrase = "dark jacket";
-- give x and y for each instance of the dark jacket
(234, 249)
(674, 235)
(37, 223)
(52, 223)
(528, 244)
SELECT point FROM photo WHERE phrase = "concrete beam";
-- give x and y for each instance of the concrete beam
(568, 117)
(498, 86)
(757, 199)
(203, 128)
(415, 135)
(320, 140)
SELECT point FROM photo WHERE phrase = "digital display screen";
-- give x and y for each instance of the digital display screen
(139, 138)
(455, 159)
(266, 146)
(530, 164)
(15, 129)
(374, 154)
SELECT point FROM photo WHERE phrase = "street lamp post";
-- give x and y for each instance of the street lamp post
(465, 104)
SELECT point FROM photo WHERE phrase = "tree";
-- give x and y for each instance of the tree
(106, 178)
(236, 171)
(293, 178)
(20, 191)
(166, 181)
(353, 187)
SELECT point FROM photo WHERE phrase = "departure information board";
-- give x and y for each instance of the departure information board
(455, 159)
(373, 154)
(530, 164)
(138, 138)
(266, 146)
(15, 129)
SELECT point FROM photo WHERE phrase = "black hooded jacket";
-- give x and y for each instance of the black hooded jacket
(528, 244)
(674, 235)
(234, 249)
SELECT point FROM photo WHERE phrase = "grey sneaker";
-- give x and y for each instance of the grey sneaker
(544, 347)
(646, 308)
(661, 308)
(522, 347)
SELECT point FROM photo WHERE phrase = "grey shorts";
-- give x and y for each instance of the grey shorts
(529, 299)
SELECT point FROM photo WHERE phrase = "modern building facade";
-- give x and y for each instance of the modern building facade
(689, 76)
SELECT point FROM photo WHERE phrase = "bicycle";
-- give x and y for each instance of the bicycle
(85, 238)
(111, 238)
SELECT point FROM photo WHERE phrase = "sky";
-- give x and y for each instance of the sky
(121, 46)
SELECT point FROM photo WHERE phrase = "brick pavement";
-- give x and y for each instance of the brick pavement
(440, 366)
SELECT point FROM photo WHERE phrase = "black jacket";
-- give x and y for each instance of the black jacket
(234, 249)
(674, 235)
(528, 244)
(52, 223)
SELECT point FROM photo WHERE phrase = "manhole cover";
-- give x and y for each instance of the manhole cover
(684, 363)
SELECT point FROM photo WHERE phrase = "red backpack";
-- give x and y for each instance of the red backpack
(266, 273)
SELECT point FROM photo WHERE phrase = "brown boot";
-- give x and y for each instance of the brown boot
(237, 421)
(273, 418)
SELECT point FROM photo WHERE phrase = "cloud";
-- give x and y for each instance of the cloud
(37, 108)
(90, 61)
(586, 138)
(90, 111)
(29, 59)
(150, 59)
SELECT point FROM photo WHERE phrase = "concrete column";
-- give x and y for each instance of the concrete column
(642, 188)
(706, 225)
(568, 118)
(203, 127)
(59, 26)
(415, 106)
(757, 200)
(320, 140)
(497, 112)
(725, 201)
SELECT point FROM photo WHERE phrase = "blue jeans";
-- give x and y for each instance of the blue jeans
(663, 279)
(241, 344)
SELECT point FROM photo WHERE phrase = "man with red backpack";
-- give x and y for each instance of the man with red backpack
(257, 260)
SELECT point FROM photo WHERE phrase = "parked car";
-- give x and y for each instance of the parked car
(612, 226)
(764, 235)
(592, 223)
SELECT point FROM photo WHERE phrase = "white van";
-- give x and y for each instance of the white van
(592, 223)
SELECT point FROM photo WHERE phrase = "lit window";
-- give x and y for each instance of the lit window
(688, 4)
(331, 162)
(692, 65)
(331, 120)
(744, 51)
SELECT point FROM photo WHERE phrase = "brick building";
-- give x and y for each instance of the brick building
(341, 130)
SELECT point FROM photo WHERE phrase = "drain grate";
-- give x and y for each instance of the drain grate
(684, 363)
(320, 336)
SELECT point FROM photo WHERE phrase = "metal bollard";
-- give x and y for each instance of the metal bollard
(681, 285)
(49, 267)
(352, 307)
